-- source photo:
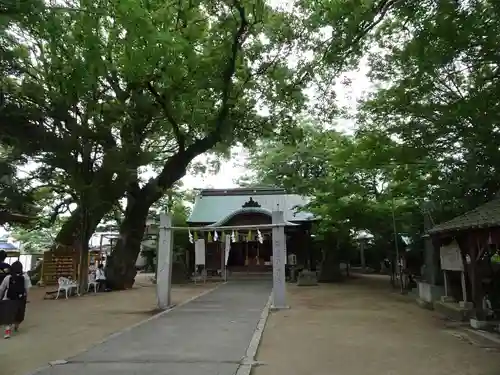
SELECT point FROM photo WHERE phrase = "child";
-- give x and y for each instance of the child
(14, 292)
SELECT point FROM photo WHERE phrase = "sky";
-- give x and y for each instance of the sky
(231, 170)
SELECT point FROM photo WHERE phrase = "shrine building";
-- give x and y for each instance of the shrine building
(251, 206)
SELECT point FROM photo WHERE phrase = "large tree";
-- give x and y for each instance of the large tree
(355, 183)
(437, 68)
(96, 90)
(103, 88)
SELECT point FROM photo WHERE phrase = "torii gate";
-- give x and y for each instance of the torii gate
(165, 253)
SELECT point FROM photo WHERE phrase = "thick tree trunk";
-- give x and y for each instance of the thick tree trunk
(120, 268)
(68, 234)
(79, 227)
(76, 233)
(330, 267)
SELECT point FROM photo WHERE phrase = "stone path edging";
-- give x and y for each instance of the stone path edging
(486, 335)
(249, 361)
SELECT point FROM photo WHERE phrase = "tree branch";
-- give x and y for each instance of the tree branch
(238, 39)
(57, 210)
(175, 167)
(163, 103)
(379, 11)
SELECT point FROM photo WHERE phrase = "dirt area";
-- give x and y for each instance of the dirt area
(60, 329)
(360, 327)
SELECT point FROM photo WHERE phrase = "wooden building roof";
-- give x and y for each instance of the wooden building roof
(484, 216)
(217, 205)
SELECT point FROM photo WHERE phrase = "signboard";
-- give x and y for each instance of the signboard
(199, 252)
(451, 258)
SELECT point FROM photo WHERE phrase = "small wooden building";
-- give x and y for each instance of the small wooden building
(476, 237)
(251, 206)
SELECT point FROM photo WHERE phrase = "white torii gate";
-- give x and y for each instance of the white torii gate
(165, 254)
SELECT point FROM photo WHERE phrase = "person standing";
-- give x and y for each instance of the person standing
(100, 277)
(4, 267)
(14, 292)
(4, 271)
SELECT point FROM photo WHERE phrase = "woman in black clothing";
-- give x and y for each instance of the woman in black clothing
(14, 292)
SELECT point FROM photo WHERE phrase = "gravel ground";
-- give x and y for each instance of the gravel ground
(362, 327)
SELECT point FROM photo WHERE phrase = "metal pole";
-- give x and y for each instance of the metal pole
(397, 246)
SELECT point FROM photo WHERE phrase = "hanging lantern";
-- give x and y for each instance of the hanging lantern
(209, 239)
(191, 238)
(216, 236)
(234, 236)
(196, 236)
(249, 236)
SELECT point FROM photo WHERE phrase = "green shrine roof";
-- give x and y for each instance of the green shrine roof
(484, 216)
(215, 205)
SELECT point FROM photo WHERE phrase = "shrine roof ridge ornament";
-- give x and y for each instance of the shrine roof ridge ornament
(251, 203)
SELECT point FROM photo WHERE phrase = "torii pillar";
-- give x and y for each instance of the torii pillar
(164, 262)
(279, 261)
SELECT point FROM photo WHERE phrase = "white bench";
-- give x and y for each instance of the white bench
(67, 285)
(92, 282)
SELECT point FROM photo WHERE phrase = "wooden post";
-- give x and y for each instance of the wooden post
(279, 260)
(83, 268)
(464, 286)
(446, 281)
(100, 243)
(246, 254)
(220, 245)
(362, 255)
(473, 270)
(164, 262)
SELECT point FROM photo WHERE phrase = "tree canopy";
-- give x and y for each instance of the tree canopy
(95, 92)
(426, 134)
(438, 96)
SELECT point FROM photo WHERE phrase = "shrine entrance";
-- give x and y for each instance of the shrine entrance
(228, 236)
(251, 254)
(250, 249)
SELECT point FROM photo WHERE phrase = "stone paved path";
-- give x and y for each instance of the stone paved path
(98, 315)
(208, 336)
